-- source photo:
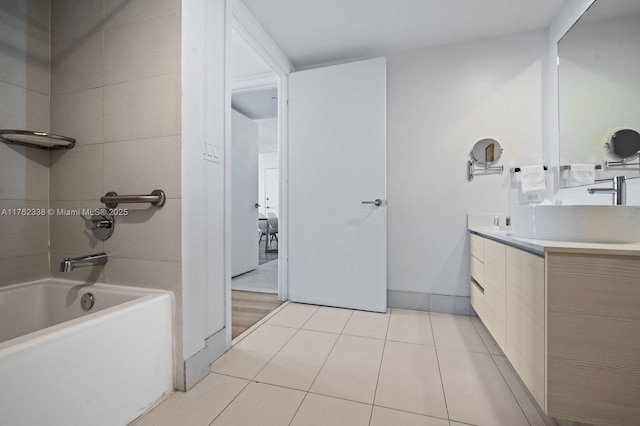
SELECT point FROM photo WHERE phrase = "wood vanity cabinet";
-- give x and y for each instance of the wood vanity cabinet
(511, 305)
(525, 301)
(568, 322)
(488, 276)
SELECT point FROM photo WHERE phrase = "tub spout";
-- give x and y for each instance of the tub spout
(68, 265)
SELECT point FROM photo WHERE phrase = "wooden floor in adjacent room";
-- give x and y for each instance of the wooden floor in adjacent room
(248, 307)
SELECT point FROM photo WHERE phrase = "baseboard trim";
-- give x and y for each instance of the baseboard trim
(458, 305)
(197, 367)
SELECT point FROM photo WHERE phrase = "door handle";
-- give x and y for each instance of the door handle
(377, 202)
(256, 205)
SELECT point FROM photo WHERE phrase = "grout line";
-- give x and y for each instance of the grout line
(255, 326)
(230, 402)
(510, 390)
(384, 345)
(480, 335)
(435, 346)
(298, 409)
(411, 412)
(276, 354)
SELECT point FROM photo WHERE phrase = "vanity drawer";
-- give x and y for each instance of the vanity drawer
(477, 298)
(477, 247)
(477, 270)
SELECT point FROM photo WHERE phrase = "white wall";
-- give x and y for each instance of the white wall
(204, 95)
(440, 102)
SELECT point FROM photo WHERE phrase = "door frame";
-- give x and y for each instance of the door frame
(247, 27)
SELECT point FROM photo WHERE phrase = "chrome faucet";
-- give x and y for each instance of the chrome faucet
(68, 265)
(619, 190)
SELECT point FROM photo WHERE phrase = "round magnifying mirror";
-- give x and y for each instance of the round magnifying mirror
(624, 144)
(486, 152)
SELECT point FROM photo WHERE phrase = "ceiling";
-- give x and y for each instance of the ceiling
(256, 104)
(311, 32)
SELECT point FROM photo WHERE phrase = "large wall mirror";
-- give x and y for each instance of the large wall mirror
(599, 83)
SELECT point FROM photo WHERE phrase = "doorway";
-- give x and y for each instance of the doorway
(256, 236)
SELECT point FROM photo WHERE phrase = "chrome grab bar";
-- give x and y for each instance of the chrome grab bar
(156, 198)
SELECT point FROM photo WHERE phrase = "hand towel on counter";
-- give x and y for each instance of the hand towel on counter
(582, 174)
(533, 179)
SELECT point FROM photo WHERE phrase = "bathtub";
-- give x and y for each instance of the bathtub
(60, 365)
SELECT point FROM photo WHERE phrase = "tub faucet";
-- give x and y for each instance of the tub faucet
(619, 190)
(68, 265)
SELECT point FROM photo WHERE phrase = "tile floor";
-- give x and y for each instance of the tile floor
(309, 365)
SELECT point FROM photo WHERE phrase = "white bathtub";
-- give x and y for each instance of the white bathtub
(60, 365)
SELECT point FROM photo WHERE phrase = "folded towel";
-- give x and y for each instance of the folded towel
(582, 174)
(533, 179)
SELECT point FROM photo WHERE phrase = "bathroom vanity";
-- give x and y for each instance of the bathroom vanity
(567, 317)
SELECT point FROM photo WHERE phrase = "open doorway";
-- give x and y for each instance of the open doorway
(255, 188)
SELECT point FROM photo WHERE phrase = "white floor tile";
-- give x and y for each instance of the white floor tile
(410, 327)
(331, 320)
(386, 417)
(532, 411)
(197, 407)
(299, 361)
(456, 332)
(491, 344)
(317, 410)
(261, 404)
(367, 324)
(293, 315)
(410, 380)
(249, 356)
(475, 391)
(351, 371)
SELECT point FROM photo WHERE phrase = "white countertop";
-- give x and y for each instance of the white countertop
(540, 247)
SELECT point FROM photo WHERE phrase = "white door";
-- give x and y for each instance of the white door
(338, 245)
(271, 188)
(244, 194)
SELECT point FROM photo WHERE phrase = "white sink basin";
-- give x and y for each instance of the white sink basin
(593, 224)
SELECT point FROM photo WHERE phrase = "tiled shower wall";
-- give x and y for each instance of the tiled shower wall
(116, 88)
(24, 172)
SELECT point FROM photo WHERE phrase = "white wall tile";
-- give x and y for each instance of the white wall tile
(24, 173)
(142, 49)
(23, 109)
(77, 65)
(30, 16)
(23, 268)
(74, 20)
(77, 174)
(79, 115)
(24, 59)
(143, 108)
(68, 233)
(140, 166)
(21, 233)
(144, 273)
(123, 11)
(147, 232)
